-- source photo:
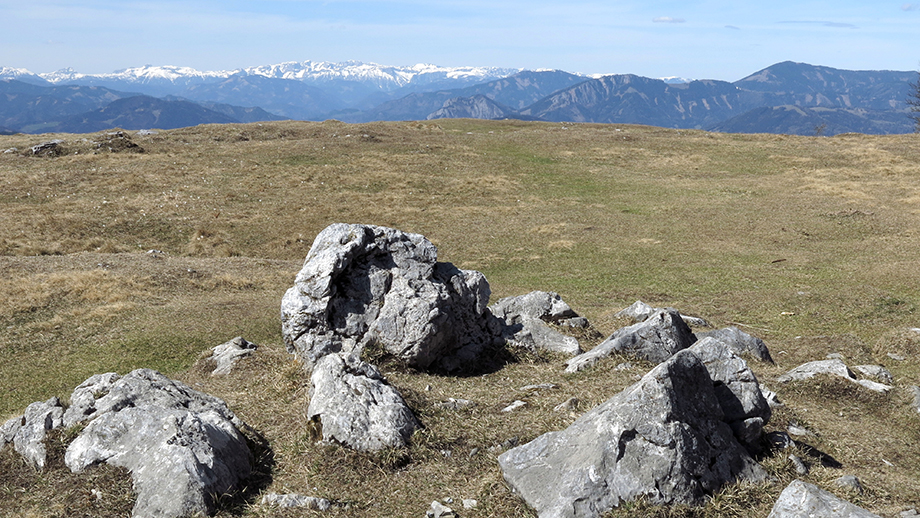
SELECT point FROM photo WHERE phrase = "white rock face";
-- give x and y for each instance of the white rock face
(27, 432)
(525, 318)
(800, 500)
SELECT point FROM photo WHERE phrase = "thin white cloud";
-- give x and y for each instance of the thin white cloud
(835, 25)
(910, 7)
(733, 27)
(668, 19)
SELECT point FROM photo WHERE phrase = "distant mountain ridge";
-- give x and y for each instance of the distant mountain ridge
(786, 97)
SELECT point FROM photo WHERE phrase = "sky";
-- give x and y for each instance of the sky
(714, 39)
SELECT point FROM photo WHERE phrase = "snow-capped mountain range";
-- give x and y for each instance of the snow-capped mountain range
(382, 77)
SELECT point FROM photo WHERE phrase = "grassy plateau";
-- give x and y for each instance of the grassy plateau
(115, 256)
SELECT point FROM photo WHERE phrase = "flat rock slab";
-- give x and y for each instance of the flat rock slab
(804, 500)
(663, 438)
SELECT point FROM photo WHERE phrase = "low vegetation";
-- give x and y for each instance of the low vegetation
(119, 257)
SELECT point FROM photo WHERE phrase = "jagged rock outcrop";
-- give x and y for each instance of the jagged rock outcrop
(745, 409)
(27, 432)
(740, 342)
(801, 499)
(525, 319)
(365, 285)
(181, 446)
(663, 438)
(352, 405)
(654, 339)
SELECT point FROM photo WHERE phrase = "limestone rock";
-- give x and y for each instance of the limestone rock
(439, 510)
(640, 311)
(295, 500)
(801, 499)
(525, 318)
(850, 482)
(812, 369)
(915, 390)
(655, 339)
(181, 446)
(745, 409)
(355, 407)
(742, 343)
(228, 353)
(364, 285)
(663, 438)
(878, 372)
(27, 432)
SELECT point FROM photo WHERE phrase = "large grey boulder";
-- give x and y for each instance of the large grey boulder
(355, 407)
(525, 319)
(663, 438)
(27, 432)
(365, 285)
(742, 343)
(804, 500)
(745, 409)
(181, 446)
(654, 339)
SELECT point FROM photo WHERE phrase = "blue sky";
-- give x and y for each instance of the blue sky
(695, 39)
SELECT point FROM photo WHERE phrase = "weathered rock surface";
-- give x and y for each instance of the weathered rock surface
(812, 369)
(655, 339)
(27, 432)
(745, 409)
(295, 500)
(878, 372)
(227, 354)
(525, 319)
(742, 343)
(355, 407)
(181, 446)
(801, 500)
(365, 285)
(663, 438)
(640, 311)
(915, 391)
(834, 367)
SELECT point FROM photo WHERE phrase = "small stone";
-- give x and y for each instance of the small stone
(438, 510)
(514, 406)
(875, 371)
(447, 454)
(469, 503)
(834, 356)
(916, 392)
(456, 404)
(625, 366)
(780, 440)
(875, 387)
(540, 386)
(850, 482)
(795, 429)
(799, 465)
(474, 452)
(896, 357)
(296, 500)
(568, 405)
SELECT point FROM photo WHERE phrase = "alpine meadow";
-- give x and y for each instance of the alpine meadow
(144, 249)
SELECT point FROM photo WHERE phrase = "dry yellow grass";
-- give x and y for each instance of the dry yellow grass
(808, 243)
